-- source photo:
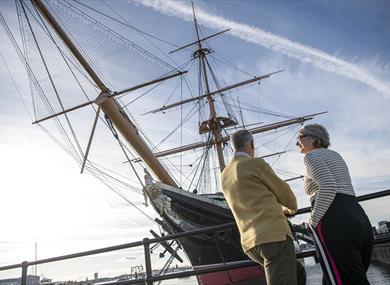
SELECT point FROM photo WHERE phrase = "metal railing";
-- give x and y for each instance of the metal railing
(146, 242)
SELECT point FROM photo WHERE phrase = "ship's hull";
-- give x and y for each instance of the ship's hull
(183, 211)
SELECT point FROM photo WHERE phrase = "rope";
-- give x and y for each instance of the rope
(234, 67)
(34, 82)
(14, 83)
(125, 23)
(222, 258)
(167, 265)
(53, 85)
(115, 134)
(288, 144)
(139, 31)
(228, 107)
(77, 10)
(204, 154)
(186, 118)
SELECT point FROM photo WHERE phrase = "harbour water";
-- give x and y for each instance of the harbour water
(377, 273)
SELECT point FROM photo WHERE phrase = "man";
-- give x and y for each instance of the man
(259, 200)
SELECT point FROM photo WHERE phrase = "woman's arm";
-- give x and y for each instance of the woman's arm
(318, 170)
(281, 190)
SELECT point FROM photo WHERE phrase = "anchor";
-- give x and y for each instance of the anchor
(167, 246)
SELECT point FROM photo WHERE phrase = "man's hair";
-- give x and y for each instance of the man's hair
(240, 138)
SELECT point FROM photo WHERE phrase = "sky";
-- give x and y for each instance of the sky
(335, 56)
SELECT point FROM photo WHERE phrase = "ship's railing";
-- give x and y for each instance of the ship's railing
(146, 242)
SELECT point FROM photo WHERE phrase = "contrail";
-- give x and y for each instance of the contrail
(304, 53)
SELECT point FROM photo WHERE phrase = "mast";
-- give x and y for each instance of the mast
(109, 105)
(213, 122)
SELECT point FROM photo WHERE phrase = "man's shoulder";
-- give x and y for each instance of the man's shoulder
(244, 162)
(255, 164)
(259, 161)
(225, 170)
(249, 161)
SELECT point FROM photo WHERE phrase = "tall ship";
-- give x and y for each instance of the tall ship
(82, 69)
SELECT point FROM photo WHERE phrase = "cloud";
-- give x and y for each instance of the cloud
(304, 53)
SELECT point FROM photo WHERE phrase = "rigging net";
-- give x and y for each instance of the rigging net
(58, 80)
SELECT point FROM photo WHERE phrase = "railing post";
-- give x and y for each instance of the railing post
(23, 281)
(148, 264)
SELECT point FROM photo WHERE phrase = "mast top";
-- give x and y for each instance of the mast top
(199, 40)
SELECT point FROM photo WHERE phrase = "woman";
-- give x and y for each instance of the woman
(340, 227)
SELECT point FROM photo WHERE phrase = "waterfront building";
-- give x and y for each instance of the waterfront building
(31, 280)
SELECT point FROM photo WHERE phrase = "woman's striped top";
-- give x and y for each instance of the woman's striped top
(326, 174)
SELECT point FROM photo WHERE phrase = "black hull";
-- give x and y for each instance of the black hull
(187, 212)
(209, 248)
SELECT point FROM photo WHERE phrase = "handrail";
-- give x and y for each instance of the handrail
(149, 278)
(74, 255)
(361, 198)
